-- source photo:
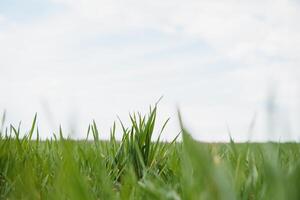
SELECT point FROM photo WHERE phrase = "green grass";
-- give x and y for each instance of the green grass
(142, 167)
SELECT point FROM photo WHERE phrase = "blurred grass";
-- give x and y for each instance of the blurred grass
(140, 167)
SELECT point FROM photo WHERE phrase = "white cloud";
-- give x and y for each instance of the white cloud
(2, 19)
(59, 59)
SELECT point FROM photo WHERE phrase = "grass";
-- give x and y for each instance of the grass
(141, 167)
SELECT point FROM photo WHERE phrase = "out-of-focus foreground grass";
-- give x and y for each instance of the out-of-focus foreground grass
(139, 167)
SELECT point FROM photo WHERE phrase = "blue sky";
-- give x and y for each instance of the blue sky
(74, 61)
(26, 11)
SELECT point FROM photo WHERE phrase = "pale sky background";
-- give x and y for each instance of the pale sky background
(218, 61)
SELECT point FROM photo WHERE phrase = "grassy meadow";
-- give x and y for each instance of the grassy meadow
(142, 167)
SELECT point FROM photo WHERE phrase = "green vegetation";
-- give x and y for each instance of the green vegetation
(141, 167)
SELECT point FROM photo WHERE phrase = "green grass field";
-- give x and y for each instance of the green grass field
(142, 167)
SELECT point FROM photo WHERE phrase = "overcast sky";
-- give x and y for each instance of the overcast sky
(226, 65)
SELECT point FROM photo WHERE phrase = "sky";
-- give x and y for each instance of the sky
(230, 67)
